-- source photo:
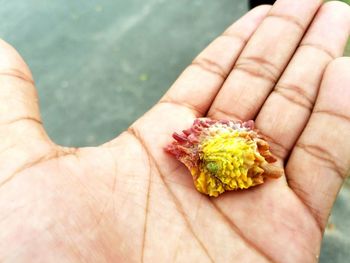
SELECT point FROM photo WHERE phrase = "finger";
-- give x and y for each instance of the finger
(19, 110)
(263, 60)
(321, 158)
(23, 139)
(205, 76)
(18, 96)
(288, 108)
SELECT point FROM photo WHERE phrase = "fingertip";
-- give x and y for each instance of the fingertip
(338, 5)
(338, 8)
(250, 20)
(11, 60)
(329, 31)
(262, 9)
(259, 12)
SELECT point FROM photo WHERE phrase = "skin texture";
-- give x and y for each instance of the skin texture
(128, 201)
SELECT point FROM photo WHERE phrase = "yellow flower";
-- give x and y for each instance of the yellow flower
(224, 156)
(225, 160)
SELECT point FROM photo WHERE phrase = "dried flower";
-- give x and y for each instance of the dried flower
(224, 155)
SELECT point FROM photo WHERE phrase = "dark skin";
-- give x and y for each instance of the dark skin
(128, 201)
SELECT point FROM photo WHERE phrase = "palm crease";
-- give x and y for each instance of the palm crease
(129, 201)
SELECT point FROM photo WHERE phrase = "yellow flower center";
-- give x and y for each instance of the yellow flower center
(226, 160)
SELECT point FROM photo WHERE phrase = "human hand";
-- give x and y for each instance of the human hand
(128, 201)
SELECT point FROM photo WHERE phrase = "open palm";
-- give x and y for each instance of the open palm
(128, 201)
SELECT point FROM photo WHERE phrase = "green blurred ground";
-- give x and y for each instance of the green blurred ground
(100, 64)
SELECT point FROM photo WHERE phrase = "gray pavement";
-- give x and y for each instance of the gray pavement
(99, 65)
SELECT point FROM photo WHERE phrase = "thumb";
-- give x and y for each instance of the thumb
(24, 141)
(19, 110)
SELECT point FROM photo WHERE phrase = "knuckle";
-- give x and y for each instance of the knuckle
(258, 67)
(325, 157)
(210, 66)
(338, 65)
(344, 61)
(295, 94)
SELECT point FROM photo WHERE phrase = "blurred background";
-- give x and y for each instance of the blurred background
(99, 65)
